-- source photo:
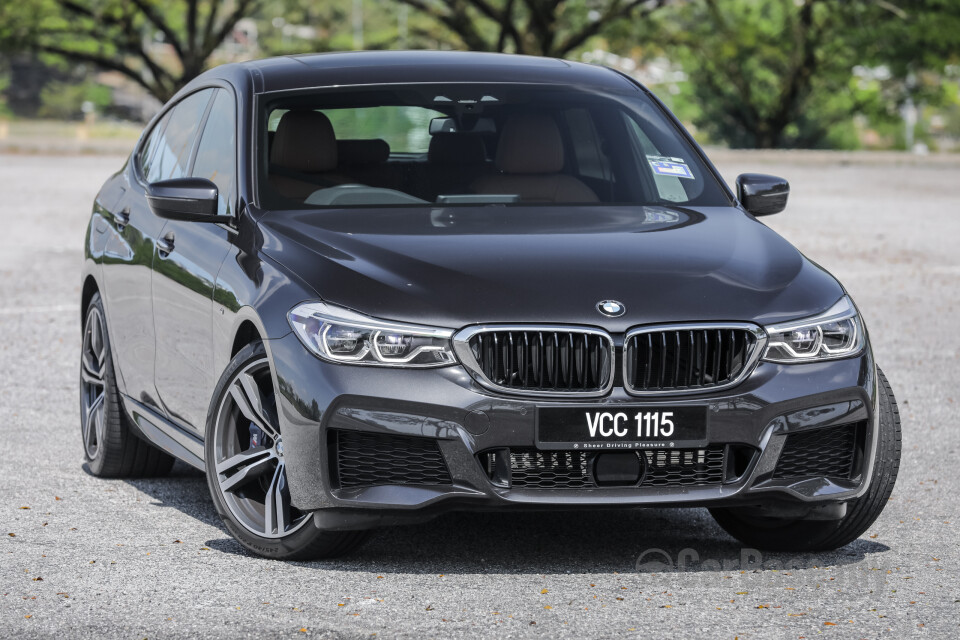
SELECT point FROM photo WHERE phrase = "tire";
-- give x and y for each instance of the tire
(110, 447)
(246, 471)
(799, 535)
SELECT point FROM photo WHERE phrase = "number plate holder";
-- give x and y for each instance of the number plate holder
(621, 427)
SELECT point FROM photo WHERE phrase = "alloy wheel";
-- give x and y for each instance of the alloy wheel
(93, 367)
(248, 456)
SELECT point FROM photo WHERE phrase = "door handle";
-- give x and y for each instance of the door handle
(165, 245)
(122, 218)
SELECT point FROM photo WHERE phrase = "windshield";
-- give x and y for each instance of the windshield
(470, 144)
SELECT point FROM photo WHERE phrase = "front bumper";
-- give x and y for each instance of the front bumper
(448, 407)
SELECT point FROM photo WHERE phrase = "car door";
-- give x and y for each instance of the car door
(129, 253)
(188, 258)
(126, 271)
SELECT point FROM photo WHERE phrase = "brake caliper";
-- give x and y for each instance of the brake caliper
(257, 436)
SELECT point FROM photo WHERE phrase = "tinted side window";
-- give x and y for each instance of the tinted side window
(173, 152)
(149, 148)
(216, 155)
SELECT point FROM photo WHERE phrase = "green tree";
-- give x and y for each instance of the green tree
(295, 26)
(783, 73)
(160, 45)
(767, 73)
(554, 28)
(918, 49)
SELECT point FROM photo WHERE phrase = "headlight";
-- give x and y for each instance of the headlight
(838, 333)
(341, 335)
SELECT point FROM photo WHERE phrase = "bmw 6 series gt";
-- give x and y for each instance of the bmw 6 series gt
(360, 290)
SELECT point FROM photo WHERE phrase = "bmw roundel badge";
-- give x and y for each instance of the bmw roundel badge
(611, 308)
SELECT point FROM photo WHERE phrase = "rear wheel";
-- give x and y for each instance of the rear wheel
(109, 445)
(792, 534)
(246, 468)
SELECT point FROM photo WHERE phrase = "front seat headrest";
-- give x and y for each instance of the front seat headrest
(358, 153)
(456, 149)
(304, 142)
(530, 143)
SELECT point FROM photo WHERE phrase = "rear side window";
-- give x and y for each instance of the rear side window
(174, 147)
(216, 154)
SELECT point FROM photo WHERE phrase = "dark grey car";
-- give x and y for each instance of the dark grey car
(365, 289)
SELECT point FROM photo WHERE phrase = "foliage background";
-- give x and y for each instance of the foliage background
(841, 74)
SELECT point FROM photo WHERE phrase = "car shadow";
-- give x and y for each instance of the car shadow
(647, 540)
(661, 541)
(184, 489)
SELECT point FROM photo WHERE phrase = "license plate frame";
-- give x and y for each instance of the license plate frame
(616, 427)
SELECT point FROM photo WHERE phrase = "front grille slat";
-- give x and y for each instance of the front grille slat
(579, 355)
(677, 357)
(649, 370)
(686, 359)
(730, 351)
(717, 349)
(702, 356)
(663, 361)
(525, 360)
(543, 360)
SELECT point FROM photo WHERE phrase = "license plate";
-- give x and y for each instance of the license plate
(634, 427)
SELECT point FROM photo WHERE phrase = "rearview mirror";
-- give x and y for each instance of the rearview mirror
(189, 199)
(442, 125)
(761, 194)
(470, 124)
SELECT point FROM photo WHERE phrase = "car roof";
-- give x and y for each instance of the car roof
(392, 67)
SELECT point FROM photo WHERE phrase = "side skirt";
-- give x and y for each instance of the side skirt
(163, 434)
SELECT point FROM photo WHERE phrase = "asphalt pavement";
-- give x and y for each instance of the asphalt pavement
(84, 557)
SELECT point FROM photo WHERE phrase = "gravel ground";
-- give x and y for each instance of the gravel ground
(83, 557)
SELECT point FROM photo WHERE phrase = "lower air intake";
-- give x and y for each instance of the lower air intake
(828, 452)
(365, 459)
(534, 469)
(683, 467)
(531, 468)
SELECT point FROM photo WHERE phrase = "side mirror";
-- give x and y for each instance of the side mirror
(189, 199)
(761, 194)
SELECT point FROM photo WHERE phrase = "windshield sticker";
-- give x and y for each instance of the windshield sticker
(665, 166)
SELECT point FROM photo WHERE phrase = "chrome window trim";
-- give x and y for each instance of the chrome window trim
(752, 360)
(461, 347)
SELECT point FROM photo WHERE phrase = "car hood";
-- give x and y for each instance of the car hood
(456, 266)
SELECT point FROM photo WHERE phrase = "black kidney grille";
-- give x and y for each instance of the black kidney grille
(534, 469)
(368, 459)
(534, 360)
(827, 452)
(682, 359)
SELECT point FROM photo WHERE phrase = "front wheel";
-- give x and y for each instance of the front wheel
(246, 469)
(783, 534)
